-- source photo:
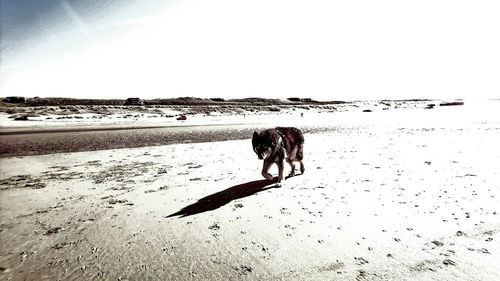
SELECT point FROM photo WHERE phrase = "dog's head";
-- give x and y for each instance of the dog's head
(264, 143)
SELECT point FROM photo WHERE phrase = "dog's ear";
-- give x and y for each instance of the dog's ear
(255, 134)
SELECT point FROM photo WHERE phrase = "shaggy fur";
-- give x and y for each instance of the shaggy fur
(276, 145)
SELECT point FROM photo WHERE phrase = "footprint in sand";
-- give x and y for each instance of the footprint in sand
(243, 269)
(437, 243)
(214, 226)
(54, 230)
(449, 262)
(361, 260)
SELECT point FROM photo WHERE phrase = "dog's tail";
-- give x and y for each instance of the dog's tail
(300, 152)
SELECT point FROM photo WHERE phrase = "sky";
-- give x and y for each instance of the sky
(326, 50)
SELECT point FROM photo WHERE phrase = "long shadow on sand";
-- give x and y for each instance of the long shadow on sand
(221, 198)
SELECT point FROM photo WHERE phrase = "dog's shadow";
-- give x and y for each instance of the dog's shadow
(221, 198)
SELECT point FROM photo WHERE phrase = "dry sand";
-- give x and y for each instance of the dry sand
(410, 195)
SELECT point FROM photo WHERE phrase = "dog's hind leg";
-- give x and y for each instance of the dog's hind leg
(265, 169)
(292, 172)
(300, 156)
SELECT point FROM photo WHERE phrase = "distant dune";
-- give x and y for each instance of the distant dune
(169, 101)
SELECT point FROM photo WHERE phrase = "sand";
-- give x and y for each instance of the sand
(400, 195)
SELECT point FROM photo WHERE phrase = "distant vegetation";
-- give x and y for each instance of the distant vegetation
(68, 101)
(186, 101)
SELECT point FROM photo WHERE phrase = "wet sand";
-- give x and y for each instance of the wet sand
(69, 140)
(35, 142)
(376, 202)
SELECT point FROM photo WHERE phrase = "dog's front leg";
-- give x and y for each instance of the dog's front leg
(265, 169)
(280, 169)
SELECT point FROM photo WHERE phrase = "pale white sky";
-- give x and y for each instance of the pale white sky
(330, 50)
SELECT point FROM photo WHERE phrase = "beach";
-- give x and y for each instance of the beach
(399, 194)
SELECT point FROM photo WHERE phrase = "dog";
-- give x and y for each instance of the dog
(276, 145)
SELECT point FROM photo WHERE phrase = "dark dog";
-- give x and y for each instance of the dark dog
(276, 145)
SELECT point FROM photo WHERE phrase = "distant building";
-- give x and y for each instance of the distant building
(14, 99)
(133, 101)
